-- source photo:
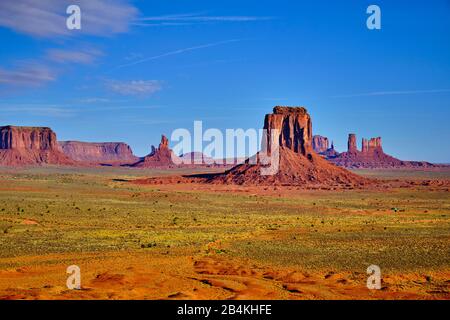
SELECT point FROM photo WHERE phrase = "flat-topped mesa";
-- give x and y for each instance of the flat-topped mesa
(289, 110)
(320, 144)
(372, 145)
(291, 128)
(31, 138)
(30, 146)
(99, 152)
(352, 147)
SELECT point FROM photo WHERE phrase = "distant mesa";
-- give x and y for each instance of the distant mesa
(289, 130)
(321, 147)
(103, 153)
(196, 158)
(320, 144)
(161, 157)
(371, 156)
(24, 146)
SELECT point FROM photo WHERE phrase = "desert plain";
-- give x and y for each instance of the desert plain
(134, 240)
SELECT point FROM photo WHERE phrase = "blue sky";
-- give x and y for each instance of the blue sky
(138, 69)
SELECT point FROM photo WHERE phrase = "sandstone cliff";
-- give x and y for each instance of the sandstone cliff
(99, 153)
(30, 146)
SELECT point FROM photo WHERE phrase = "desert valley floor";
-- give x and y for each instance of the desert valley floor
(196, 241)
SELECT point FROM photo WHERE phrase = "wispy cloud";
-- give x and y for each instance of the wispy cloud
(135, 87)
(47, 18)
(39, 110)
(186, 19)
(73, 56)
(175, 52)
(390, 93)
(94, 100)
(27, 74)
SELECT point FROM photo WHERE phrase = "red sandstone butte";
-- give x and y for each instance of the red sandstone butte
(108, 153)
(21, 146)
(299, 165)
(372, 156)
(161, 157)
(352, 143)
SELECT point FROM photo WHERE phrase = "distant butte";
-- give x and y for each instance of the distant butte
(161, 157)
(371, 156)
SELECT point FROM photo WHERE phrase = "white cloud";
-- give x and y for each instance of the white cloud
(135, 87)
(186, 19)
(73, 56)
(27, 74)
(47, 18)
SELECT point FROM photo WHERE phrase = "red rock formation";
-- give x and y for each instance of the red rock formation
(320, 144)
(291, 128)
(371, 145)
(160, 157)
(30, 146)
(352, 143)
(372, 156)
(298, 164)
(99, 153)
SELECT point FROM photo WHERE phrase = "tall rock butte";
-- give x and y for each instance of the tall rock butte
(21, 146)
(372, 156)
(161, 157)
(109, 153)
(352, 147)
(289, 129)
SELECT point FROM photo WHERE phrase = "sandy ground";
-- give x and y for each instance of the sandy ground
(179, 275)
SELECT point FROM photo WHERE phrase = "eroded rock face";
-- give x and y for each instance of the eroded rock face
(320, 144)
(30, 138)
(30, 146)
(291, 127)
(99, 153)
(159, 157)
(372, 145)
